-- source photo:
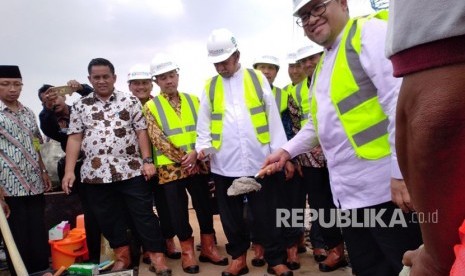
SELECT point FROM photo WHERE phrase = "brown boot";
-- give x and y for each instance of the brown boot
(301, 245)
(237, 267)
(122, 258)
(292, 261)
(158, 264)
(146, 258)
(335, 259)
(280, 270)
(171, 251)
(189, 264)
(258, 259)
(319, 254)
(209, 252)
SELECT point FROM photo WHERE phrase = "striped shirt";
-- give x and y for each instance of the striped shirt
(20, 173)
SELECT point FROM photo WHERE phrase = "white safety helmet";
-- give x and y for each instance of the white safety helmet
(161, 64)
(298, 4)
(291, 58)
(221, 45)
(267, 59)
(308, 50)
(139, 72)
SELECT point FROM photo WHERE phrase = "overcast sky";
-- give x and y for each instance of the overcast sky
(53, 41)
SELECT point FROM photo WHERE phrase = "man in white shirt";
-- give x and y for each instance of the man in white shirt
(352, 115)
(238, 126)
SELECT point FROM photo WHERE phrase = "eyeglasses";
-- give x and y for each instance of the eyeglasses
(316, 11)
(15, 85)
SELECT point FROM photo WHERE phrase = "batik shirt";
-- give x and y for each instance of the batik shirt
(20, 173)
(110, 144)
(169, 172)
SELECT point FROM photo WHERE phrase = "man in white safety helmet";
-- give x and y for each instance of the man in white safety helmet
(171, 122)
(140, 84)
(352, 117)
(238, 126)
(294, 70)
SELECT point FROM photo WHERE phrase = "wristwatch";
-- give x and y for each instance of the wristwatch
(148, 160)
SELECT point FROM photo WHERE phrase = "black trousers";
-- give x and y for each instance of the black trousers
(93, 233)
(263, 205)
(290, 199)
(317, 187)
(27, 226)
(110, 202)
(379, 250)
(176, 195)
(161, 204)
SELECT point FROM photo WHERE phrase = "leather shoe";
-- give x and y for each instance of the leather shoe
(243, 271)
(335, 259)
(319, 254)
(272, 270)
(258, 262)
(259, 252)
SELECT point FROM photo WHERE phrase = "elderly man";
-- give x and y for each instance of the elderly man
(353, 102)
(23, 176)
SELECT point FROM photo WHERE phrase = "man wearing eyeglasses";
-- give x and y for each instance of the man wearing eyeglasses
(352, 116)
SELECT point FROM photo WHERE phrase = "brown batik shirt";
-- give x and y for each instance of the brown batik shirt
(110, 144)
(315, 157)
(169, 172)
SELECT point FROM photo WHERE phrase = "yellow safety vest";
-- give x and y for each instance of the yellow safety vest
(253, 95)
(301, 96)
(355, 97)
(281, 97)
(181, 131)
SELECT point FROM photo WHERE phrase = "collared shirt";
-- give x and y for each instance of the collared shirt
(355, 183)
(110, 144)
(240, 154)
(20, 173)
(56, 127)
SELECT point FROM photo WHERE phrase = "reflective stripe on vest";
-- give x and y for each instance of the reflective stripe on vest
(355, 96)
(281, 98)
(302, 97)
(254, 102)
(180, 130)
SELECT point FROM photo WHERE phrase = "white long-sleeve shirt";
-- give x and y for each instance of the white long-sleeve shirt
(240, 154)
(355, 182)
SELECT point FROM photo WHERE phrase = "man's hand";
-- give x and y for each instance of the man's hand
(400, 195)
(274, 163)
(47, 181)
(289, 170)
(5, 207)
(68, 182)
(50, 98)
(189, 160)
(422, 264)
(75, 85)
(148, 170)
